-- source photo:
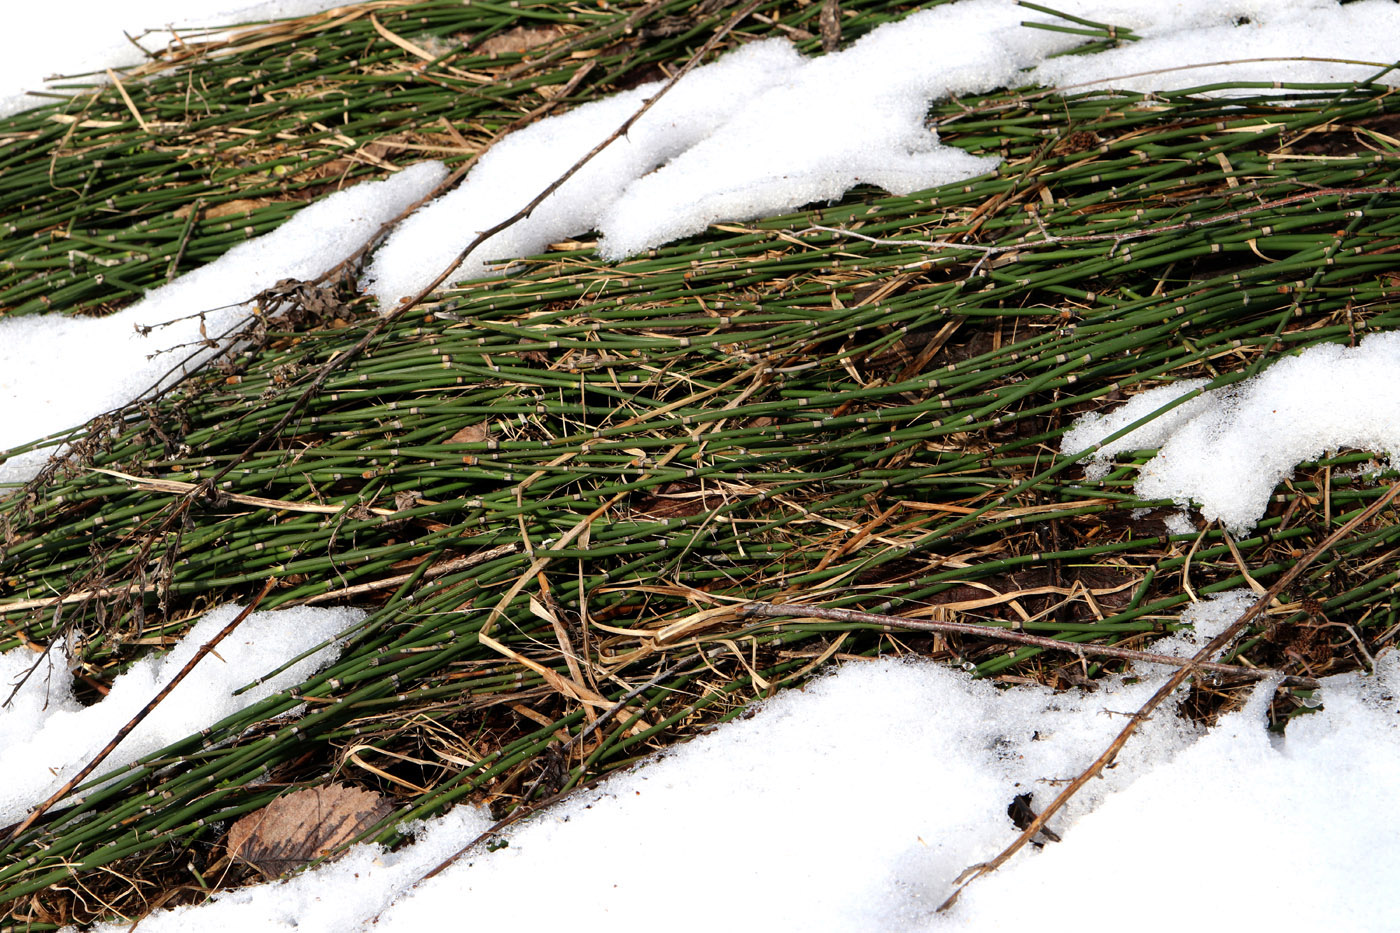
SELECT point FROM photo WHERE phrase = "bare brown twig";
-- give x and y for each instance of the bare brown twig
(340, 359)
(1020, 638)
(136, 720)
(457, 175)
(207, 487)
(1167, 689)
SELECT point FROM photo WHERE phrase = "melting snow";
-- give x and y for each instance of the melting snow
(120, 364)
(853, 804)
(59, 736)
(1227, 449)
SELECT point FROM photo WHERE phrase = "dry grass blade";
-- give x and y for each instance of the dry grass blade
(262, 502)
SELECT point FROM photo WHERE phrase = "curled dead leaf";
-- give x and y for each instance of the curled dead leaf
(300, 827)
(520, 39)
(471, 434)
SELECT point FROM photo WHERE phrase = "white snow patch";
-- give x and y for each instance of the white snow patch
(1301, 828)
(861, 798)
(851, 117)
(1224, 37)
(1093, 427)
(58, 736)
(1180, 523)
(1207, 618)
(1229, 448)
(858, 800)
(110, 363)
(523, 164)
(764, 131)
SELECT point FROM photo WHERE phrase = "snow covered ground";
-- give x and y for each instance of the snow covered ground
(1258, 826)
(863, 795)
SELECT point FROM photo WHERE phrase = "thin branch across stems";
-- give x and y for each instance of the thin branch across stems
(1049, 239)
(1195, 665)
(1019, 638)
(336, 362)
(136, 720)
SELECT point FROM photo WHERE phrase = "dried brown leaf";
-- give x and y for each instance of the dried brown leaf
(472, 434)
(236, 206)
(520, 39)
(305, 825)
